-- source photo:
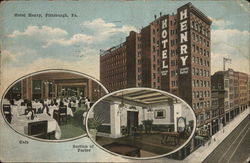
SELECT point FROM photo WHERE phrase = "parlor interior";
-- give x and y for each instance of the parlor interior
(141, 123)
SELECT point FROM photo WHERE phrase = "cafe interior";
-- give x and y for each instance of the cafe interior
(50, 105)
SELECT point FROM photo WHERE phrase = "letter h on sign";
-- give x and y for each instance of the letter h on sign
(183, 14)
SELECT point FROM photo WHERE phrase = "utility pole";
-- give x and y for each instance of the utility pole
(225, 60)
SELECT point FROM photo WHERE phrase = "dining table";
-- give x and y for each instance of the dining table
(20, 124)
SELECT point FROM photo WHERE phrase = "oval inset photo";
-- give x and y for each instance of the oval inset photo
(140, 123)
(51, 105)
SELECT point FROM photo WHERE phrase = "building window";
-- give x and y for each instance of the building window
(197, 49)
(198, 106)
(173, 73)
(197, 71)
(193, 72)
(193, 24)
(196, 26)
(196, 38)
(194, 105)
(139, 61)
(193, 48)
(139, 54)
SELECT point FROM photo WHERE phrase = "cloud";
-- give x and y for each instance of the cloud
(88, 65)
(77, 38)
(13, 56)
(231, 41)
(220, 23)
(7, 56)
(237, 64)
(244, 5)
(103, 30)
(233, 44)
(44, 31)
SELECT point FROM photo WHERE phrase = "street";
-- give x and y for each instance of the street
(235, 148)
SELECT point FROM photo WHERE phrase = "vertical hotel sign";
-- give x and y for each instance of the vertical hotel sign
(164, 42)
(183, 41)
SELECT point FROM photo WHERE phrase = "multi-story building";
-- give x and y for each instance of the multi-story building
(172, 53)
(220, 100)
(229, 96)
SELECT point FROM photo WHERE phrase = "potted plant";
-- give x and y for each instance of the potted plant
(148, 125)
(124, 130)
(93, 125)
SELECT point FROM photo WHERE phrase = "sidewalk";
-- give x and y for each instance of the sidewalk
(202, 152)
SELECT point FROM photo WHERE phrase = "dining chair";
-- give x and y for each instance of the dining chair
(61, 114)
(38, 129)
(7, 112)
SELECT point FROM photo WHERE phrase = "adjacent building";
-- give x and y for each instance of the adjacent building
(229, 96)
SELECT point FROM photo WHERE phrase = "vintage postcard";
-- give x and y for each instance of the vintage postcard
(125, 81)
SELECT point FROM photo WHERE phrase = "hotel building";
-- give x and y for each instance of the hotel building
(172, 53)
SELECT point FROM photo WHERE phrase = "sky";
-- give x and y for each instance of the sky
(29, 44)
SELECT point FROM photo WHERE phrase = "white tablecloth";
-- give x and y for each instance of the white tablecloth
(20, 124)
(17, 110)
(37, 105)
